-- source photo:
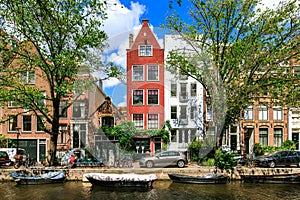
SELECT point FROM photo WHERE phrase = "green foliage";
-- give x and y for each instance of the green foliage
(52, 38)
(208, 162)
(125, 132)
(224, 160)
(194, 149)
(288, 145)
(247, 47)
(260, 150)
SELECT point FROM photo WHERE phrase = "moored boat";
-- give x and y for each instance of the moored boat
(206, 179)
(272, 178)
(24, 177)
(121, 180)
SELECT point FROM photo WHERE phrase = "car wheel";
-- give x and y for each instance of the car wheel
(180, 163)
(149, 164)
(272, 164)
(298, 164)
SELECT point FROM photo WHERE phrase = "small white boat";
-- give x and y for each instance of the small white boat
(121, 180)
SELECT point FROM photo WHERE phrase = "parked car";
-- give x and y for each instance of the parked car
(163, 159)
(279, 158)
(4, 158)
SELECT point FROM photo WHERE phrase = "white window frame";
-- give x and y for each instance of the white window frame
(277, 113)
(28, 77)
(152, 122)
(263, 113)
(139, 124)
(23, 125)
(136, 75)
(155, 90)
(133, 95)
(154, 73)
(248, 113)
(145, 50)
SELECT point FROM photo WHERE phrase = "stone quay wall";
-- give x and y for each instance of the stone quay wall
(76, 174)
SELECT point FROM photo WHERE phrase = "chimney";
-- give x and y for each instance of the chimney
(130, 40)
(145, 22)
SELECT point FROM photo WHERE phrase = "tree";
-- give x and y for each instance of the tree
(53, 37)
(244, 50)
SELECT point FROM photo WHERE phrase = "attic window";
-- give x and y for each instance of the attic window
(145, 50)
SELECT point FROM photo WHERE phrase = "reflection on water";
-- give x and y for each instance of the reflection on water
(161, 190)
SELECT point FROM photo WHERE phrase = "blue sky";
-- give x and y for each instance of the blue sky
(125, 17)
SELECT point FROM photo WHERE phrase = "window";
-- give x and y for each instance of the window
(12, 123)
(40, 126)
(79, 135)
(79, 109)
(138, 121)
(183, 112)
(278, 136)
(138, 97)
(173, 112)
(63, 111)
(145, 50)
(263, 112)
(28, 77)
(152, 72)
(137, 73)
(263, 136)
(277, 113)
(193, 112)
(62, 135)
(153, 97)
(233, 129)
(173, 89)
(27, 123)
(193, 89)
(296, 70)
(248, 113)
(152, 121)
(12, 104)
(42, 101)
(208, 113)
(183, 93)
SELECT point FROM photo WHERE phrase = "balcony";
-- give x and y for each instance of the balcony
(183, 122)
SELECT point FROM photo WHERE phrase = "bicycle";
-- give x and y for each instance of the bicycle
(24, 160)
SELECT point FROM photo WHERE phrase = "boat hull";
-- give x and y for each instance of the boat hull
(146, 184)
(208, 179)
(23, 178)
(272, 179)
(121, 180)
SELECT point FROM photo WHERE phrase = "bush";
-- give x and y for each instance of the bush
(260, 150)
(224, 160)
(208, 162)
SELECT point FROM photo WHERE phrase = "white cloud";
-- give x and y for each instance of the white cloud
(271, 4)
(120, 22)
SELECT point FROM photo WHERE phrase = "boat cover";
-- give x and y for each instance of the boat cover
(121, 177)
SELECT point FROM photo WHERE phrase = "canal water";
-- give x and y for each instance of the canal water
(162, 190)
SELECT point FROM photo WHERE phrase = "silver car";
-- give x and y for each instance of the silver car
(166, 158)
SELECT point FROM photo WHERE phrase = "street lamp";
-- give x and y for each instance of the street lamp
(18, 134)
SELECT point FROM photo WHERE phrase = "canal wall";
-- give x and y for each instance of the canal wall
(76, 174)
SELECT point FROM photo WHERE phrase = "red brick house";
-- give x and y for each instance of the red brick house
(145, 86)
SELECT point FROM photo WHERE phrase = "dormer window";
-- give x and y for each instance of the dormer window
(145, 50)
